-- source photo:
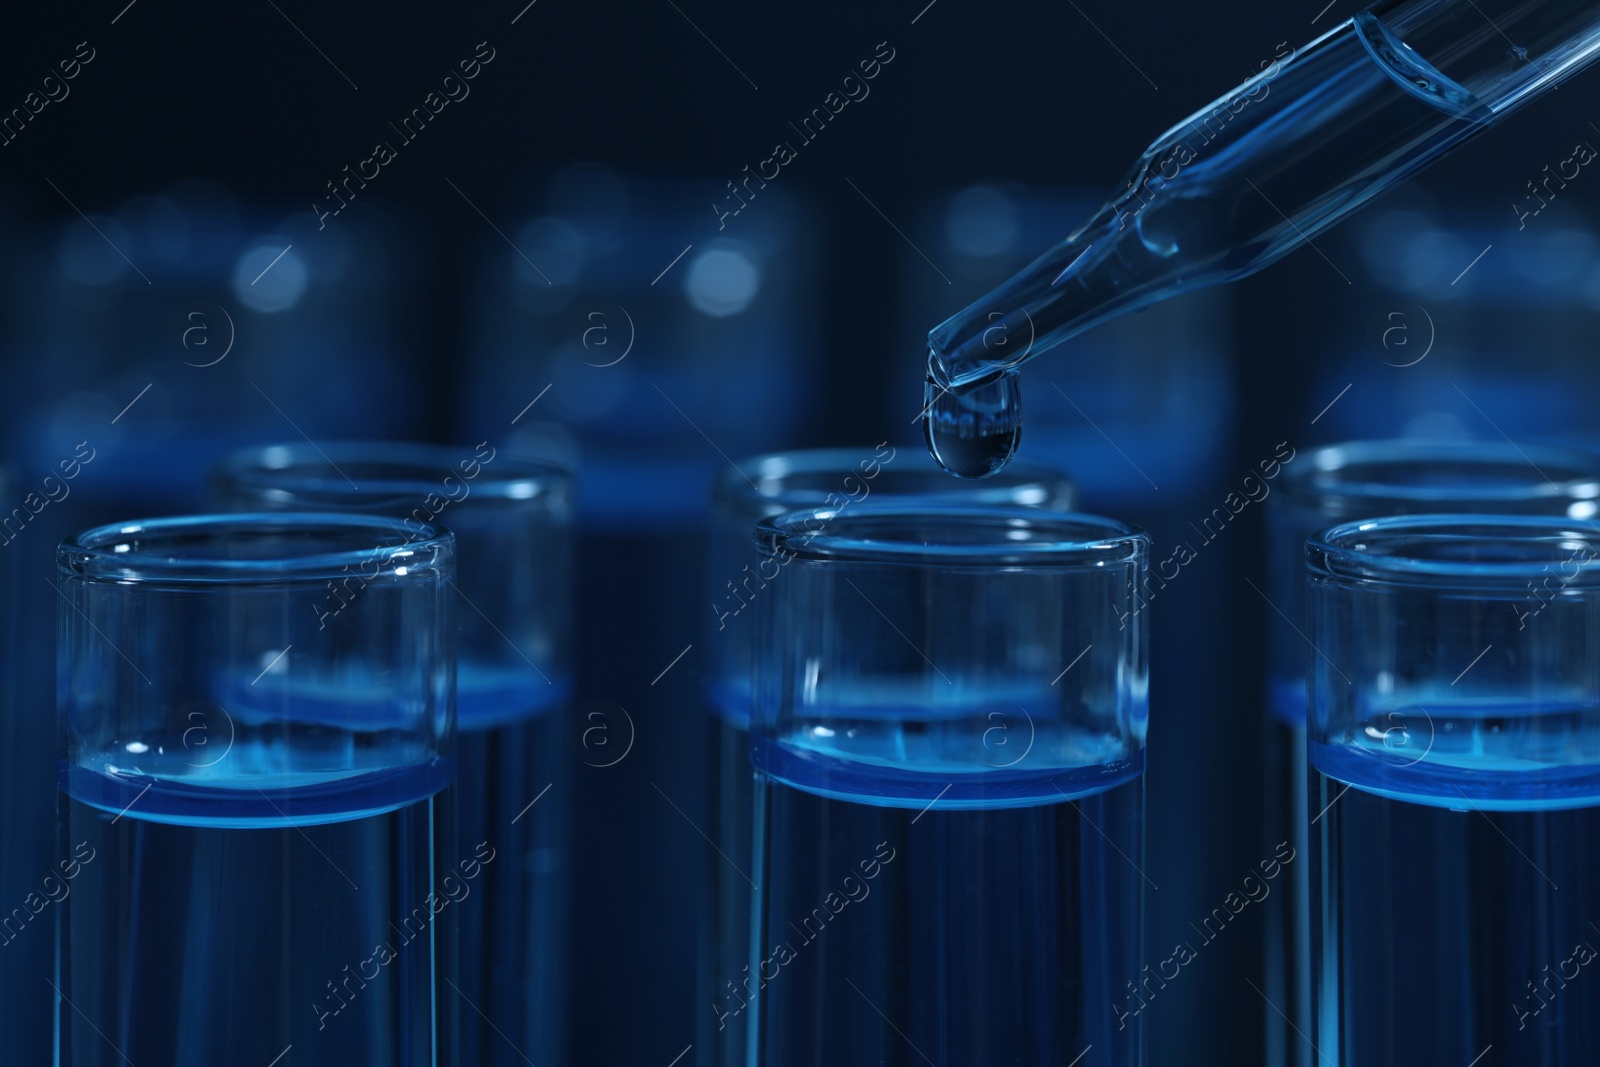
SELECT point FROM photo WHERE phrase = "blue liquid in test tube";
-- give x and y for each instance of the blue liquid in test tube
(1340, 483)
(512, 520)
(948, 729)
(780, 482)
(1455, 768)
(240, 879)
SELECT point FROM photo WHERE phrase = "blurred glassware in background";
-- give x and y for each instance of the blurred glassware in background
(949, 710)
(1340, 484)
(779, 482)
(191, 321)
(1454, 759)
(654, 333)
(142, 343)
(512, 519)
(257, 847)
(661, 346)
(1155, 453)
(1467, 325)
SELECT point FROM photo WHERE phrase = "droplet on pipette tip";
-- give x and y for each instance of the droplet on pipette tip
(973, 432)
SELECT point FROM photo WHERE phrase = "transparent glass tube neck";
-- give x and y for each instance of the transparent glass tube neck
(1487, 554)
(1360, 479)
(1500, 52)
(251, 548)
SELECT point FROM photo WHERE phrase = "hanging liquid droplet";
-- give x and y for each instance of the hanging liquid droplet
(973, 432)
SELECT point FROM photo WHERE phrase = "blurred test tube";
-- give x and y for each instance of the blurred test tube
(618, 326)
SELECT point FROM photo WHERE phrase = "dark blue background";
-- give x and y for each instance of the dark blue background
(1015, 92)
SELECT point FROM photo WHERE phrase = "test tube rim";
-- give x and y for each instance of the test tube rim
(1341, 554)
(245, 474)
(1098, 540)
(732, 491)
(1553, 473)
(90, 555)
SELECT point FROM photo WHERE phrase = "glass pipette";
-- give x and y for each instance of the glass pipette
(1312, 137)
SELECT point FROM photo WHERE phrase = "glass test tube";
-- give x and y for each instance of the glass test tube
(1455, 763)
(254, 823)
(512, 520)
(948, 727)
(1342, 483)
(770, 485)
